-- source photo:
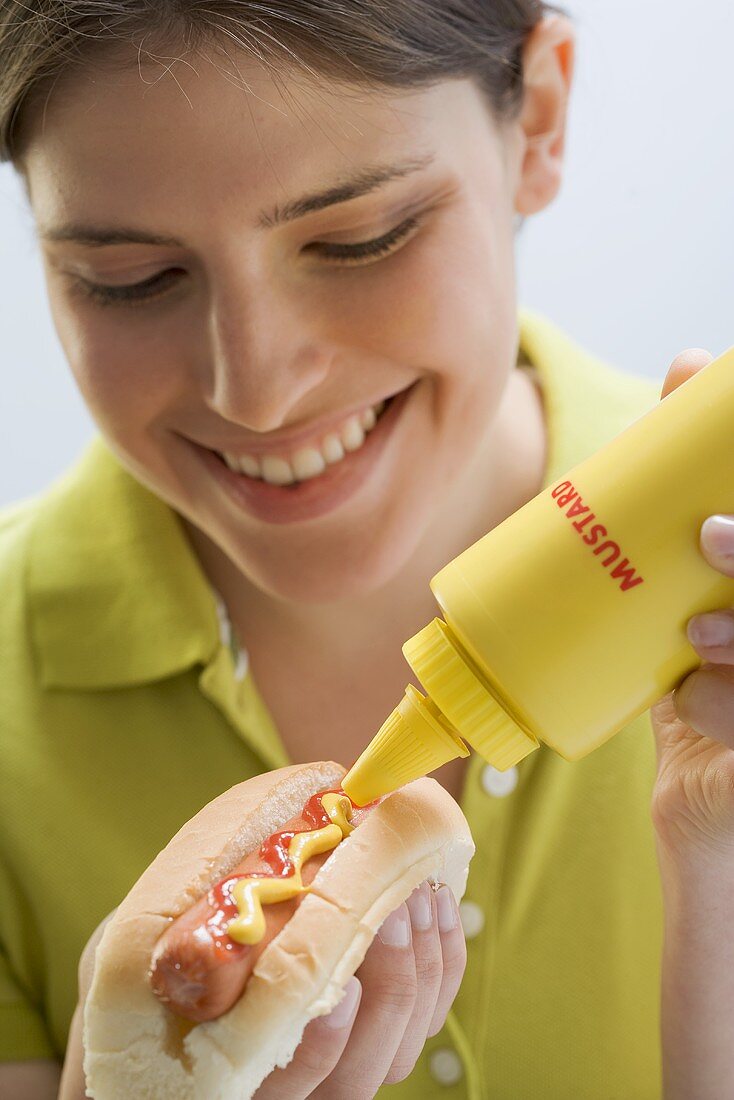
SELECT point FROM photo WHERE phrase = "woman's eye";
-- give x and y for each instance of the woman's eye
(157, 285)
(129, 293)
(368, 249)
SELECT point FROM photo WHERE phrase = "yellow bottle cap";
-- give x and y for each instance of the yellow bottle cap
(415, 740)
(449, 678)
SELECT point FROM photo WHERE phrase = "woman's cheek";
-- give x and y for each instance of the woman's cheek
(124, 394)
(409, 308)
(127, 382)
(106, 346)
(462, 307)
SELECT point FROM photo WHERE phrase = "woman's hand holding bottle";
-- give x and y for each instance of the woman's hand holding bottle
(693, 813)
(694, 725)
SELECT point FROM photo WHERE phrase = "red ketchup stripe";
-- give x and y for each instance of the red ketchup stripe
(274, 853)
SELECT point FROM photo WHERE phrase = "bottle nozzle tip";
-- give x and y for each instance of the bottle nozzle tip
(412, 742)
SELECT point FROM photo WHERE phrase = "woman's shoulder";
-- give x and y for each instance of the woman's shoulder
(19, 684)
(15, 520)
(20, 519)
(16, 524)
(104, 589)
(46, 561)
(587, 400)
(581, 373)
(19, 522)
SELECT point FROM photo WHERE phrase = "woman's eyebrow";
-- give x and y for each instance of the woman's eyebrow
(365, 181)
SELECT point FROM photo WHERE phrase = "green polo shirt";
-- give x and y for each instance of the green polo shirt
(123, 709)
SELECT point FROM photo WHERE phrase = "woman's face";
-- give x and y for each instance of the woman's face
(246, 317)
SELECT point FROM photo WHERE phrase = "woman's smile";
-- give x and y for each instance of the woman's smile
(269, 488)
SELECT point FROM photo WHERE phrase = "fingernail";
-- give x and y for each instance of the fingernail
(448, 914)
(419, 906)
(717, 535)
(341, 1015)
(714, 629)
(395, 929)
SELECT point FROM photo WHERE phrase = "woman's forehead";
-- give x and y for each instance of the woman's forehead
(193, 134)
(99, 106)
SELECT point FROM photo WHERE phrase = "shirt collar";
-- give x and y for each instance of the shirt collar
(587, 402)
(117, 595)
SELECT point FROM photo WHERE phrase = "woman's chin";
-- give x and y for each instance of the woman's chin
(326, 577)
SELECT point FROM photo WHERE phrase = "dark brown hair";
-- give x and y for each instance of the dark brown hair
(388, 43)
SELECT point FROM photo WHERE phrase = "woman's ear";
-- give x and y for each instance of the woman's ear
(548, 58)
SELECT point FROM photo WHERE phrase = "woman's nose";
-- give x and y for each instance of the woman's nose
(263, 363)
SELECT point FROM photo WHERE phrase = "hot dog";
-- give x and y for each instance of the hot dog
(198, 969)
(166, 1016)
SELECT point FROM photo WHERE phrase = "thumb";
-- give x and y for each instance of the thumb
(683, 367)
(86, 962)
(667, 726)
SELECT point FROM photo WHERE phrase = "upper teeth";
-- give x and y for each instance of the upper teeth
(308, 462)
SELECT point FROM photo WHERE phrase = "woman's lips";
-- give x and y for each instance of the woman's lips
(316, 497)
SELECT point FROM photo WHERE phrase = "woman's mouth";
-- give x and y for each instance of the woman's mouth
(309, 481)
(304, 463)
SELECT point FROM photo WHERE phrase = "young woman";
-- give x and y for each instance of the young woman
(278, 242)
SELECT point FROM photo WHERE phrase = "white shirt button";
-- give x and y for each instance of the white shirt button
(445, 1066)
(240, 656)
(242, 665)
(472, 918)
(498, 783)
(225, 627)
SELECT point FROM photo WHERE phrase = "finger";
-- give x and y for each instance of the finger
(86, 961)
(389, 983)
(712, 635)
(717, 542)
(321, 1047)
(670, 731)
(705, 702)
(453, 955)
(429, 972)
(683, 367)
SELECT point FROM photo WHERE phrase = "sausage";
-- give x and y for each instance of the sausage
(198, 971)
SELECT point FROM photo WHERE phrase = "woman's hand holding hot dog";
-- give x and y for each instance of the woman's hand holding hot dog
(399, 996)
(693, 811)
(281, 945)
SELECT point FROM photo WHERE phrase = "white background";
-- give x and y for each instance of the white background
(632, 258)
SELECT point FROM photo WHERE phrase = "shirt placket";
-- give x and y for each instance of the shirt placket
(226, 683)
(486, 802)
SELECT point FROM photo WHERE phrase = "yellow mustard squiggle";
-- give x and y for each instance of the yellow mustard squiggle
(250, 893)
(339, 809)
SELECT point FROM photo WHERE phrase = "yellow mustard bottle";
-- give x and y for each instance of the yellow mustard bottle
(568, 619)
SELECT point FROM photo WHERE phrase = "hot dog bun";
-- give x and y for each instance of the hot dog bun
(135, 1048)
